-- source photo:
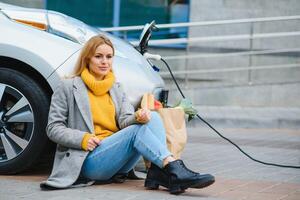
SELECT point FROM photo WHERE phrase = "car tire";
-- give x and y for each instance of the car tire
(24, 107)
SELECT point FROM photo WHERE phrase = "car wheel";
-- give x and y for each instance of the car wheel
(23, 116)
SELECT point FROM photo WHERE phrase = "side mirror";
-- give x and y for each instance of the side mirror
(145, 36)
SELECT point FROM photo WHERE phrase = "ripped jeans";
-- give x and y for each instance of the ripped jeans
(120, 152)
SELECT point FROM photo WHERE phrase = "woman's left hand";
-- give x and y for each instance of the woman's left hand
(143, 115)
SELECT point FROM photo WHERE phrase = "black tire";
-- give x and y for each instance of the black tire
(32, 134)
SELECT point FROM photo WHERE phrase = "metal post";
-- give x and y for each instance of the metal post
(125, 35)
(250, 56)
(45, 4)
(116, 15)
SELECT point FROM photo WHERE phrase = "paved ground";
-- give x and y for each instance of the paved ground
(237, 177)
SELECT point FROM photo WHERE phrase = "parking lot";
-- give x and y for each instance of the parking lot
(237, 177)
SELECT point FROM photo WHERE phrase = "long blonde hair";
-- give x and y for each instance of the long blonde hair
(87, 52)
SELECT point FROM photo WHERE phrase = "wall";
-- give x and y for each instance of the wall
(275, 88)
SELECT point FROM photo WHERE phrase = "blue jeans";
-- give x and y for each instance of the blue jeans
(120, 152)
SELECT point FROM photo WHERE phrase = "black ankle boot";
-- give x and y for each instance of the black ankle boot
(176, 177)
(181, 178)
(156, 177)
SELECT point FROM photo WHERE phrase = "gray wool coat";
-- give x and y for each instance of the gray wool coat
(69, 119)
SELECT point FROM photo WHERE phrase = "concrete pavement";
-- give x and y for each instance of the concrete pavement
(237, 177)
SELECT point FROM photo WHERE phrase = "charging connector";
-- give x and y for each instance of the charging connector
(152, 56)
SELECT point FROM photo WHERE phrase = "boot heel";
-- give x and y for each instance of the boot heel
(151, 184)
(176, 189)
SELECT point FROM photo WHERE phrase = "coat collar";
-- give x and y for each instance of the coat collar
(80, 92)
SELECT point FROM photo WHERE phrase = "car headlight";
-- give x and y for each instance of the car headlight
(70, 28)
(53, 22)
(57, 24)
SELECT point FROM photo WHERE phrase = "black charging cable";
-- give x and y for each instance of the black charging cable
(225, 138)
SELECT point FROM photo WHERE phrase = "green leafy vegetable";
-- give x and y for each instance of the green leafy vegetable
(188, 108)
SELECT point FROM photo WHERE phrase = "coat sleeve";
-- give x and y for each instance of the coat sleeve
(127, 114)
(57, 129)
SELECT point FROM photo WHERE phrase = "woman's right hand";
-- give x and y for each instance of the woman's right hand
(93, 142)
(143, 115)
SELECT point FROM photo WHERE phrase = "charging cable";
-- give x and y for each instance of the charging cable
(225, 138)
(158, 57)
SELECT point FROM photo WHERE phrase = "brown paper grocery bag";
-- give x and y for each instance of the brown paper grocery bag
(174, 123)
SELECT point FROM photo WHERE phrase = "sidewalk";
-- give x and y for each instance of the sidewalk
(237, 177)
(249, 117)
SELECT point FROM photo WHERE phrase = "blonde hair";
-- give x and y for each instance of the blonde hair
(87, 52)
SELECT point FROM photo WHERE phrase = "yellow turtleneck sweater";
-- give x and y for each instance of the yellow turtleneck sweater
(102, 106)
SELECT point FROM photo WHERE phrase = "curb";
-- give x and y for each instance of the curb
(233, 117)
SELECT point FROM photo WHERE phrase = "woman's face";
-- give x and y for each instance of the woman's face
(101, 62)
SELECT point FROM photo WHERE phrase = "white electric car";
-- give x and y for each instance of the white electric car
(38, 48)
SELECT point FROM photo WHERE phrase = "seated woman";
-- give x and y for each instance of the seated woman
(99, 135)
